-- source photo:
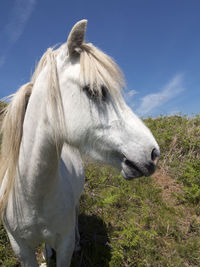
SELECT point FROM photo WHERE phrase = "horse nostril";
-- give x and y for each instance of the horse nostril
(155, 154)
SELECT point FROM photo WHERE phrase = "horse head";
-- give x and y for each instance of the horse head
(98, 121)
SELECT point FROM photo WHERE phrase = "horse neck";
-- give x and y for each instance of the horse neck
(38, 158)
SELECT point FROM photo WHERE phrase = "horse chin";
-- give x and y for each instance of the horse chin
(130, 170)
(131, 174)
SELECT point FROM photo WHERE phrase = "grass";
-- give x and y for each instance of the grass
(146, 222)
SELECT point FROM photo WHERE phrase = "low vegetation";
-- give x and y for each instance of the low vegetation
(151, 221)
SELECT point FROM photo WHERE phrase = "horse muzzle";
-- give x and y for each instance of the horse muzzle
(132, 170)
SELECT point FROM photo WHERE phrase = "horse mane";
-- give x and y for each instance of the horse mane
(11, 131)
(12, 125)
(96, 70)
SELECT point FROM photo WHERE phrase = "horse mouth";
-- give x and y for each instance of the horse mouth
(132, 170)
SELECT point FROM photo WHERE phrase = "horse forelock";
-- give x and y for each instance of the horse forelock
(98, 69)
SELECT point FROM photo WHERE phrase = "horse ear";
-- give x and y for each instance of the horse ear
(76, 37)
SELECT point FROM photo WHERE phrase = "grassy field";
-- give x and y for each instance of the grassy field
(152, 221)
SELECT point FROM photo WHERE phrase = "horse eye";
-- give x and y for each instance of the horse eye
(94, 93)
(88, 91)
(86, 88)
(104, 92)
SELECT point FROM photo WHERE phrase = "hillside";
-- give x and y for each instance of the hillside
(153, 221)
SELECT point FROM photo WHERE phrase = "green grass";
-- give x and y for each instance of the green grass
(131, 223)
(6, 255)
(142, 230)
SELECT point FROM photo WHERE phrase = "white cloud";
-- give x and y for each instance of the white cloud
(152, 101)
(130, 94)
(20, 15)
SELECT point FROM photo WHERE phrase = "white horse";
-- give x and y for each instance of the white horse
(72, 105)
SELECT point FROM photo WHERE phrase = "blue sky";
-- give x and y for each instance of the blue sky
(155, 42)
